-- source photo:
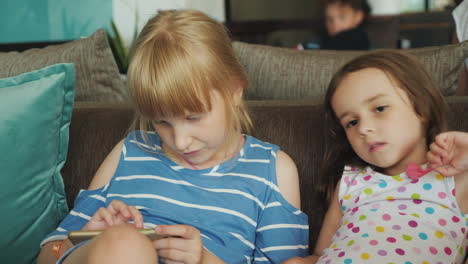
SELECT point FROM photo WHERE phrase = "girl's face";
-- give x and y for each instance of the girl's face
(379, 120)
(198, 137)
(340, 17)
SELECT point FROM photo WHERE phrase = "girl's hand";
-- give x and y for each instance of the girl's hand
(184, 244)
(307, 260)
(295, 261)
(117, 213)
(448, 154)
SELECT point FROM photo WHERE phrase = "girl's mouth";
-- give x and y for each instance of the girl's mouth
(376, 146)
(191, 153)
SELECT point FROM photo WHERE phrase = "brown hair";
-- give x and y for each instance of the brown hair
(410, 76)
(179, 58)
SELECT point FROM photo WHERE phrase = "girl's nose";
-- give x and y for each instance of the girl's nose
(182, 138)
(365, 127)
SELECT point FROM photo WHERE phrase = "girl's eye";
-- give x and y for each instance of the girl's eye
(193, 117)
(351, 123)
(161, 122)
(381, 108)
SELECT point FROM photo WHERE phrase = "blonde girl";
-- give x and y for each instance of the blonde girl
(187, 170)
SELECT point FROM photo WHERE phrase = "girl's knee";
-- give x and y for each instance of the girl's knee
(122, 244)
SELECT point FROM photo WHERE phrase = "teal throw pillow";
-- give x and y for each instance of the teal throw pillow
(35, 114)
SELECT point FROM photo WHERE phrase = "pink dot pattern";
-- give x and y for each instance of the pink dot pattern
(393, 219)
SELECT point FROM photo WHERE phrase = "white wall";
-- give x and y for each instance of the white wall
(125, 12)
(385, 7)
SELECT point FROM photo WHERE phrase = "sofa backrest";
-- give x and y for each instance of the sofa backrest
(97, 75)
(295, 126)
(287, 74)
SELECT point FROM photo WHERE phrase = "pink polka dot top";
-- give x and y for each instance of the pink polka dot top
(394, 219)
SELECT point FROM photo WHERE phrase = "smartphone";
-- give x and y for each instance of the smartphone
(77, 237)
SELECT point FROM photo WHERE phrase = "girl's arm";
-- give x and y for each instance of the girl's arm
(461, 190)
(103, 175)
(288, 183)
(331, 223)
(108, 167)
(288, 179)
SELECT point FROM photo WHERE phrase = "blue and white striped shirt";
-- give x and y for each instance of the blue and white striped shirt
(236, 205)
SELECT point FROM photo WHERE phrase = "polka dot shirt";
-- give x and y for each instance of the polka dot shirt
(394, 219)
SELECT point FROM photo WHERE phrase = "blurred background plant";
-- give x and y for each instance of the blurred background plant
(120, 50)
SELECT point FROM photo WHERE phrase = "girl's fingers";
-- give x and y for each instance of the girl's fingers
(183, 231)
(174, 243)
(173, 262)
(441, 139)
(167, 261)
(177, 256)
(102, 214)
(447, 171)
(170, 254)
(437, 150)
(435, 160)
(136, 216)
(184, 243)
(117, 207)
(122, 213)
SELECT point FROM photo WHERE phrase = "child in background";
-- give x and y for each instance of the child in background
(187, 170)
(382, 113)
(343, 20)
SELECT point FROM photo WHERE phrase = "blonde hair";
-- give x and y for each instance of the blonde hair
(179, 58)
(411, 76)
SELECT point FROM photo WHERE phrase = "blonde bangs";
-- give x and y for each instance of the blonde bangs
(162, 87)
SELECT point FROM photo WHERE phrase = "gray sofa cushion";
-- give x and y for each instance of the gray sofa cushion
(97, 75)
(287, 74)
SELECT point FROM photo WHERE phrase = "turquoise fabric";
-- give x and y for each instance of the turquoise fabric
(35, 113)
(52, 20)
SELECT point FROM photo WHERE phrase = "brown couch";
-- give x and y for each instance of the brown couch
(279, 80)
(287, 83)
(296, 126)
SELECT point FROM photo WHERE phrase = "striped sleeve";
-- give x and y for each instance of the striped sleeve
(86, 204)
(282, 230)
(281, 234)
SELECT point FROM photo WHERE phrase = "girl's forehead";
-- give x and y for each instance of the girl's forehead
(370, 76)
(363, 85)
